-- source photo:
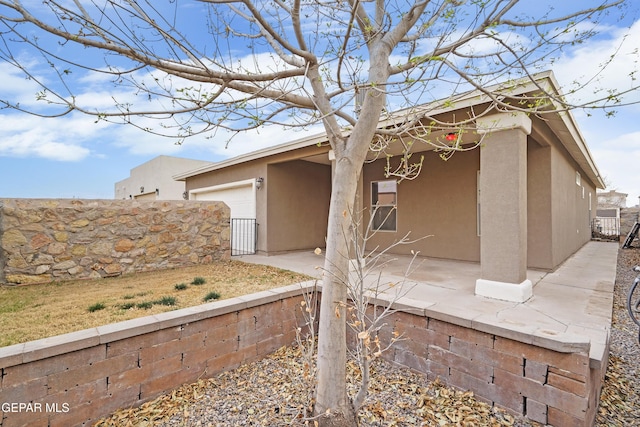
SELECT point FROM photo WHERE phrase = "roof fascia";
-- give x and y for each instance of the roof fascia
(544, 80)
(254, 155)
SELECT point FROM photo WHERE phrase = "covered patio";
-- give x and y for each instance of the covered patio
(570, 310)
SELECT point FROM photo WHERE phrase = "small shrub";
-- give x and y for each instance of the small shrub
(211, 296)
(146, 305)
(180, 286)
(198, 281)
(128, 297)
(96, 307)
(166, 301)
(127, 306)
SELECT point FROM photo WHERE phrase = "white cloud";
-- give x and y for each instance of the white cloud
(621, 172)
(616, 152)
(41, 142)
(220, 145)
(606, 62)
(15, 85)
(614, 142)
(63, 139)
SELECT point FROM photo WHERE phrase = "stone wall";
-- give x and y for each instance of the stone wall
(628, 217)
(60, 239)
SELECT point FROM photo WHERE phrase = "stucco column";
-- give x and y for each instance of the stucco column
(503, 207)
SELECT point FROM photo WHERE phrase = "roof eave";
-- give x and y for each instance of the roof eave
(575, 143)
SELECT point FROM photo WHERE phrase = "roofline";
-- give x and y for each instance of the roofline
(465, 100)
(577, 137)
(254, 155)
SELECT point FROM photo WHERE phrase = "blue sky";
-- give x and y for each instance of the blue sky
(72, 156)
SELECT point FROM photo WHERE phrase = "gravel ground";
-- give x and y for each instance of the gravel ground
(275, 391)
(620, 398)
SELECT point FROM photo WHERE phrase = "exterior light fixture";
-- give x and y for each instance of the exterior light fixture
(157, 191)
(185, 195)
(451, 136)
(259, 182)
(141, 189)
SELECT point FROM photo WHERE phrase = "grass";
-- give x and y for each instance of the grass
(144, 305)
(96, 307)
(39, 311)
(165, 301)
(213, 295)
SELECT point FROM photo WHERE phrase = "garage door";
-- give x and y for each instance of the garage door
(241, 198)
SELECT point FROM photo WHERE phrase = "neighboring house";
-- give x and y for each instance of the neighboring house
(152, 180)
(524, 199)
(612, 199)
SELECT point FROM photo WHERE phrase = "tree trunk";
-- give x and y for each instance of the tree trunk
(331, 393)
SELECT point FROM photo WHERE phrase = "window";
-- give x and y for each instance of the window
(384, 205)
(578, 178)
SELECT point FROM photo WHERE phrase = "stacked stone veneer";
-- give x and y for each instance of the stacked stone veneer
(45, 240)
(88, 374)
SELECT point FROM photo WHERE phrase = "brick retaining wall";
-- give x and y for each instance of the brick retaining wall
(547, 386)
(55, 239)
(94, 372)
(77, 378)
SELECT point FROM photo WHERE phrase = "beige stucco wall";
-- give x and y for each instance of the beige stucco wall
(241, 172)
(539, 233)
(297, 205)
(291, 187)
(571, 221)
(156, 174)
(441, 203)
(558, 214)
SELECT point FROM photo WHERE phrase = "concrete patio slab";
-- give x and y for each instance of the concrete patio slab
(571, 306)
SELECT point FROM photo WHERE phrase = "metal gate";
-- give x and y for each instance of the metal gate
(244, 236)
(605, 228)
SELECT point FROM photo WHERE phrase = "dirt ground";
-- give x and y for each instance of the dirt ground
(38, 311)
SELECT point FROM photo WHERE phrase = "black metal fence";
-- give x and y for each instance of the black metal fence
(605, 228)
(244, 236)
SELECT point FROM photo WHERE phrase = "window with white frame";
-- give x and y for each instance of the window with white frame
(578, 178)
(384, 205)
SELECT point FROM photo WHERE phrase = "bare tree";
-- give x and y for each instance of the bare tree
(242, 64)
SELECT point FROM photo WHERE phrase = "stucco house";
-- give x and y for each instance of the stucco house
(152, 180)
(524, 199)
